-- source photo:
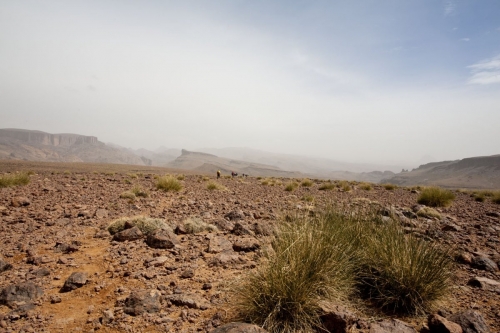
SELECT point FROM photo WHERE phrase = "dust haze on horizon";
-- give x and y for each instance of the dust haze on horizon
(382, 82)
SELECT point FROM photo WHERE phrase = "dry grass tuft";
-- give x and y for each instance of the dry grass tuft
(366, 186)
(290, 187)
(168, 183)
(212, 185)
(328, 186)
(389, 187)
(194, 225)
(428, 212)
(306, 183)
(146, 224)
(16, 179)
(436, 197)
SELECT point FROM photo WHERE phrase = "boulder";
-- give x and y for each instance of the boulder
(20, 293)
(438, 324)
(191, 301)
(4, 266)
(162, 239)
(471, 321)
(246, 244)
(20, 202)
(337, 319)
(242, 230)
(141, 301)
(484, 263)
(483, 283)
(74, 281)
(219, 244)
(128, 235)
(235, 215)
(391, 326)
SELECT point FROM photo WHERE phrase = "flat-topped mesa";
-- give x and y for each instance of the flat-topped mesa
(47, 138)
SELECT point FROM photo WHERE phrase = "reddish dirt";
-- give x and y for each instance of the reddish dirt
(78, 204)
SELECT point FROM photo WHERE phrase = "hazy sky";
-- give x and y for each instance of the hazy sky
(377, 81)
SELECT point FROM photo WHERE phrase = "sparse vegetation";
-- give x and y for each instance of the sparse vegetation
(290, 187)
(428, 212)
(496, 198)
(146, 224)
(308, 198)
(194, 225)
(181, 177)
(366, 186)
(328, 257)
(389, 187)
(403, 273)
(127, 195)
(436, 197)
(212, 185)
(168, 183)
(16, 179)
(326, 186)
(344, 186)
(306, 183)
(139, 192)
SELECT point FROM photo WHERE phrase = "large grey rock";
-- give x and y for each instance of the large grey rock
(162, 239)
(483, 283)
(191, 301)
(471, 321)
(239, 328)
(235, 215)
(391, 326)
(141, 301)
(242, 230)
(128, 235)
(246, 244)
(438, 324)
(74, 281)
(18, 293)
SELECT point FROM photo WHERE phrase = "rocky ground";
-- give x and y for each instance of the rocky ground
(61, 270)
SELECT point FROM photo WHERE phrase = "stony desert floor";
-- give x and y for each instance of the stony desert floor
(56, 226)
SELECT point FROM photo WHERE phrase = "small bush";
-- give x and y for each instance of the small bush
(405, 274)
(428, 212)
(139, 192)
(308, 198)
(194, 225)
(366, 186)
(345, 186)
(215, 186)
(132, 175)
(311, 261)
(168, 183)
(291, 186)
(306, 183)
(326, 186)
(389, 187)
(146, 224)
(436, 197)
(264, 182)
(181, 177)
(17, 179)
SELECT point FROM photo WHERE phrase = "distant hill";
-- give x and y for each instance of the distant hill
(473, 172)
(208, 163)
(159, 157)
(21, 144)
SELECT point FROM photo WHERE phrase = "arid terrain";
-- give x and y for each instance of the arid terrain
(57, 225)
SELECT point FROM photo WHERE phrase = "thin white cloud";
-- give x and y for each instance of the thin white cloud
(486, 71)
(465, 39)
(449, 8)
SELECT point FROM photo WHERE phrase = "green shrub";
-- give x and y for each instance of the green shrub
(291, 186)
(435, 197)
(168, 183)
(389, 187)
(194, 225)
(16, 179)
(402, 273)
(306, 183)
(312, 261)
(326, 186)
(146, 224)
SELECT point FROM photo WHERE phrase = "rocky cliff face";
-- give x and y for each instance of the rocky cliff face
(39, 137)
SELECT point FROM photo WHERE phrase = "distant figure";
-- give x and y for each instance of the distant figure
(234, 174)
(218, 174)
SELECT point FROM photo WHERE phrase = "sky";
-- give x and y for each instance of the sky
(366, 81)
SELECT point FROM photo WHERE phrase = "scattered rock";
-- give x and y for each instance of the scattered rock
(107, 317)
(242, 230)
(471, 321)
(20, 202)
(235, 215)
(246, 244)
(239, 328)
(391, 326)
(4, 266)
(17, 293)
(219, 244)
(74, 281)
(129, 234)
(484, 263)
(55, 299)
(191, 301)
(224, 225)
(483, 283)
(187, 274)
(336, 319)
(162, 239)
(438, 324)
(101, 213)
(141, 301)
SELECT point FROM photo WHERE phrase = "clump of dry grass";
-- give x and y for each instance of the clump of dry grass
(328, 186)
(428, 212)
(139, 192)
(496, 198)
(389, 187)
(16, 179)
(345, 186)
(291, 186)
(127, 195)
(146, 224)
(181, 177)
(168, 183)
(215, 186)
(306, 182)
(194, 225)
(308, 198)
(366, 186)
(435, 197)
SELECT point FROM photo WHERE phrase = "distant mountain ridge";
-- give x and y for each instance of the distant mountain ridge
(472, 172)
